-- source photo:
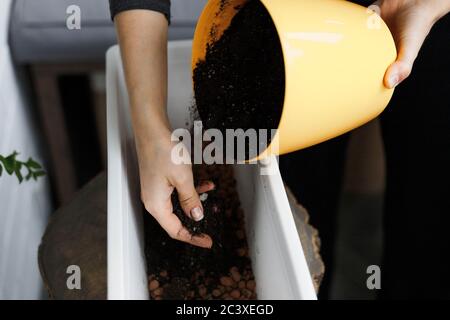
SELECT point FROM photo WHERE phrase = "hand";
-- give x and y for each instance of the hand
(143, 42)
(410, 21)
(160, 176)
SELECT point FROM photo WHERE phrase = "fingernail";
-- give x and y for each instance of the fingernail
(197, 214)
(393, 81)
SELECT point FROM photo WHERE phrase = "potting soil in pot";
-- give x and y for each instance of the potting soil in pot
(184, 272)
(241, 82)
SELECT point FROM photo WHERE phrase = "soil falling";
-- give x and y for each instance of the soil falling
(241, 82)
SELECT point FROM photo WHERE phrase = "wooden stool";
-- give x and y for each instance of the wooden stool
(51, 112)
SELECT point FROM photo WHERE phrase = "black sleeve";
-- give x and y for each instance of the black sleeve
(162, 6)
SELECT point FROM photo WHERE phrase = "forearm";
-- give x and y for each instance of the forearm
(143, 41)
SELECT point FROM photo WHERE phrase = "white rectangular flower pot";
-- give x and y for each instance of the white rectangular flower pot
(277, 256)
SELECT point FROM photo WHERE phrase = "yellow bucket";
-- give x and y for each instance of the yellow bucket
(335, 53)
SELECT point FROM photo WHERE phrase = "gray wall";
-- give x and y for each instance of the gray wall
(24, 208)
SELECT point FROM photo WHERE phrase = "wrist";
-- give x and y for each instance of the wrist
(150, 124)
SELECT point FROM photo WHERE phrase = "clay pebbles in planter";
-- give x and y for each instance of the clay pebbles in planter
(239, 85)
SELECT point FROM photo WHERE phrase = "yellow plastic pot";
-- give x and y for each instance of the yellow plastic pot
(336, 54)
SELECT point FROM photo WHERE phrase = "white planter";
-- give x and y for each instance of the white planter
(277, 257)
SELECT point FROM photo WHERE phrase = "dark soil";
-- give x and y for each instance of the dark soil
(181, 271)
(241, 83)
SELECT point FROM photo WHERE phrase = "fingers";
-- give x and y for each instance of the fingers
(205, 186)
(409, 40)
(162, 212)
(177, 231)
(188, 196)
(402, 67)
(397, 73)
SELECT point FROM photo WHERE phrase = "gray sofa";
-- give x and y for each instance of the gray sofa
(38, 31)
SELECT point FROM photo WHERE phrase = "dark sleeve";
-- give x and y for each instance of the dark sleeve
(117, 6)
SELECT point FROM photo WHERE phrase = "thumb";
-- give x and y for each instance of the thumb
(189, 199)
(408, 43)
(399, 70)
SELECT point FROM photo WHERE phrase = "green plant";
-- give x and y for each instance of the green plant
(13, 166)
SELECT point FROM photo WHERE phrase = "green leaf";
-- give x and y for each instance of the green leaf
(38, 174)
(10, 163)
(19, 175)
(14, 167)
(33, 164)
(29, 175)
